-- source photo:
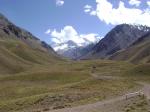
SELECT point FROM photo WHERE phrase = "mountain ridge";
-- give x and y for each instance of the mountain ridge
(10, 29)
(120, 37)
(20, 50)
(138, 52)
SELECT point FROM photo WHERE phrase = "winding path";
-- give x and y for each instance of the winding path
(98, 105)
(105, 77)
(89, 107)
(145, 89)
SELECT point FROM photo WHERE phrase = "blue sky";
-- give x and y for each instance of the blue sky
(81, 18)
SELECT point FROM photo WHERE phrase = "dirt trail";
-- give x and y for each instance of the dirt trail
(90, 107)
(97, 106)
(145, 89)
(106, 77)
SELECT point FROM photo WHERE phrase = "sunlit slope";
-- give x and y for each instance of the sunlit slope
(20, 50)
(16, 56)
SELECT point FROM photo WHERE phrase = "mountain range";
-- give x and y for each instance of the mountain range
(123, 42)
(76, 52)
(119, 38)
(73, 50)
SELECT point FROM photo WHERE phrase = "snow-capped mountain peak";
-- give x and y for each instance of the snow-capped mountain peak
(73, 44)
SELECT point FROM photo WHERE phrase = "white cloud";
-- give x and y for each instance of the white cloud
(135, 2)
(92, 37)
(105, 12)
(148, 3)
(48, 31)
(87, 8)
(61, 47)
(60, 2)
(69, 33)
(93, 13)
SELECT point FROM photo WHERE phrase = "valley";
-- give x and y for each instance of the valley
(34, 78)
(55, 87)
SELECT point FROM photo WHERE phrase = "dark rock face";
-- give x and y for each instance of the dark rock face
(144, 37)
(120, 37)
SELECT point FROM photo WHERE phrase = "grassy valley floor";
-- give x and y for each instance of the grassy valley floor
(66, 84)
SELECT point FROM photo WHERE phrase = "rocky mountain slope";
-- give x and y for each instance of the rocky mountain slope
(10, 30)
(120, 37)
(76, 52)
(19, 49)
(139, 51)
